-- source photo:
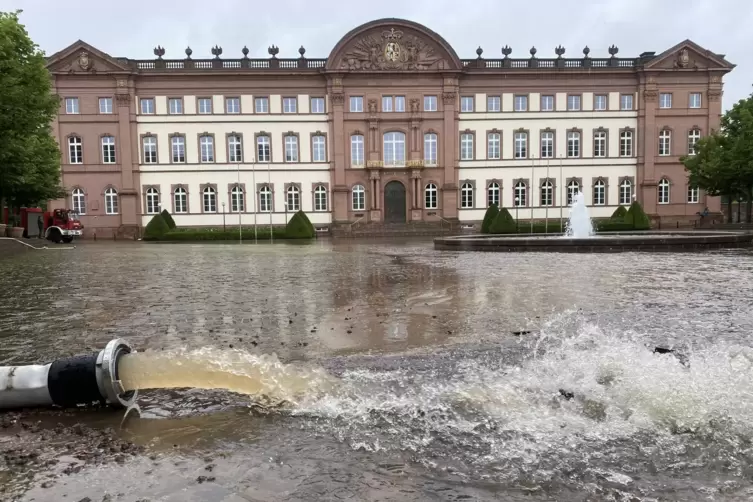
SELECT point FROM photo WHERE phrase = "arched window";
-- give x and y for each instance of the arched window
(263, 149)
(693, 136)
(79, 201)
(180, 200)
(237, 199)
(664, 191)
(75, 150)
(356, 150)
(626, 193)
(466, 196)
(519, 194)
(209, 198)
(573, 189)
(293, 198)
(320, 198)
(359, 198)
(111, 201)
(152, 201)
(394, 149)
(265, 199)
(430, 196)
(108, 150)
(547, 193)
(600, 193)
(492, 194)
(430, 149)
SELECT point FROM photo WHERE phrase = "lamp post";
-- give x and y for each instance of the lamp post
(286, 212)
(517, 207)
(223, 217)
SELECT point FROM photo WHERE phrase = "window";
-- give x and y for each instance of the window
(399, 103)
(232, 105)
(152, 201)
(547, 103)
(521, 145)
(466, 146)
(105, 105)
(291, 148)
(600, 193)
(147, 106)
(665, 142)
(79, 201)
(206, 149)
(289, 105)
(466, 104)
(108, 150)
(319, 148)
(205, 106)
(520, 103)
(358, 197)
(693, 136)
(111, 201)
(430, 196)
(492, 194)
(626, 144)
(626, 192)
(178, 149)
(547, 145)
(235, 148)
(293, 198)
(209, 198)
(665, 100)
(263, 149)
(694, 195)
(664, 191)
(261, 105)
(573, 144)
(573, 189)
(75, 150)
(430, 103)
(547, 194)
(573, 103)
(356, 103)
(320, 198)
(317, 105)
(519, 194)
(180, 200)
(394, 149)
(71, 106)
(494, 148)
(386, 103)
(600, 102)
(237, 199)
(430, 149)
(466, 196)
(175, 106)
(626, 102)
(493, 104)
(600, 144)
(356, 150)
(265, 199)
(695, 100)
(149, 147)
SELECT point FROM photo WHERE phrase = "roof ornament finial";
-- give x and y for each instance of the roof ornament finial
(533, 52)
(301, 50)
(188, 52)
(273, 51)
(479, 51)
(245, 52)
(613, 50)
(586, 51)
(506, 51)
(216, 51)
(560, 51)
(159, 51)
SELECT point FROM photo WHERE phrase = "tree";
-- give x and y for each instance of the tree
(29, 154)
(156, 228)
(299, 227)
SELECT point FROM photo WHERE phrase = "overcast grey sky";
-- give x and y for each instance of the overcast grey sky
(133, 28)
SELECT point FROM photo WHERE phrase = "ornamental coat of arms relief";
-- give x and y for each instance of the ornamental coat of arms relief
(391, 50)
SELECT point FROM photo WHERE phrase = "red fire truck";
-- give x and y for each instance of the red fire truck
(62, 225)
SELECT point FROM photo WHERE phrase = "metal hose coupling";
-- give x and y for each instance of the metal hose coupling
(68, 382)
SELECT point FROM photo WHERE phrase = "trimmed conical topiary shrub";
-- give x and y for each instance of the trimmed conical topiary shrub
(491, 213)
(156, 228)
(619, 213)
(300, 227)
(503, 223)
(168, 219)
(637, 217)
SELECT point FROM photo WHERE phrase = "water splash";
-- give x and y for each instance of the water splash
(579, 226)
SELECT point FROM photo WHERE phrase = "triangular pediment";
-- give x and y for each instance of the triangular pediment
(82, 58)
(689, 55)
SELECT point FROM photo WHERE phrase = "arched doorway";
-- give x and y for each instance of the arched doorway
(395, 202)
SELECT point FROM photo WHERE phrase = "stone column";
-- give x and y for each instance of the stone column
(340, 188)
(128, 192)
(647, 148)
(449, 204)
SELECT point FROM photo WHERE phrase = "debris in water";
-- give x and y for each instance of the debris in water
(567, 394)
(522, 332)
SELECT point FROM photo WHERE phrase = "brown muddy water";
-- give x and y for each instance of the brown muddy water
(387, 371)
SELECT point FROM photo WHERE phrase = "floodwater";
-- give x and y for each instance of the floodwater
(444, 371)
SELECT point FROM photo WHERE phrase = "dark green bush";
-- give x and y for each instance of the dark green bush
(613, 226)
(156, 228)
(209, 234)
(491, 213)
(503, 223)
(168, 219)
(637, 217)
(300, 227)
(619, 214)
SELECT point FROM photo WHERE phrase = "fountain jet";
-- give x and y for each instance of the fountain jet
(579, 226)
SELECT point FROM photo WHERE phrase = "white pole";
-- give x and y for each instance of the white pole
(242, 194)
(530, 194)
(562, 199)
(546, 210)
(253, 188)
(271, 209)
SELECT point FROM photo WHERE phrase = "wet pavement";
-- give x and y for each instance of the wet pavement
(451, 365)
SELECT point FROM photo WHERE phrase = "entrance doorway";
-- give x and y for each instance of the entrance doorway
(394, 202)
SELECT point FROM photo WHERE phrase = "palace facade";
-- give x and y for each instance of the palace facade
(391, 127)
